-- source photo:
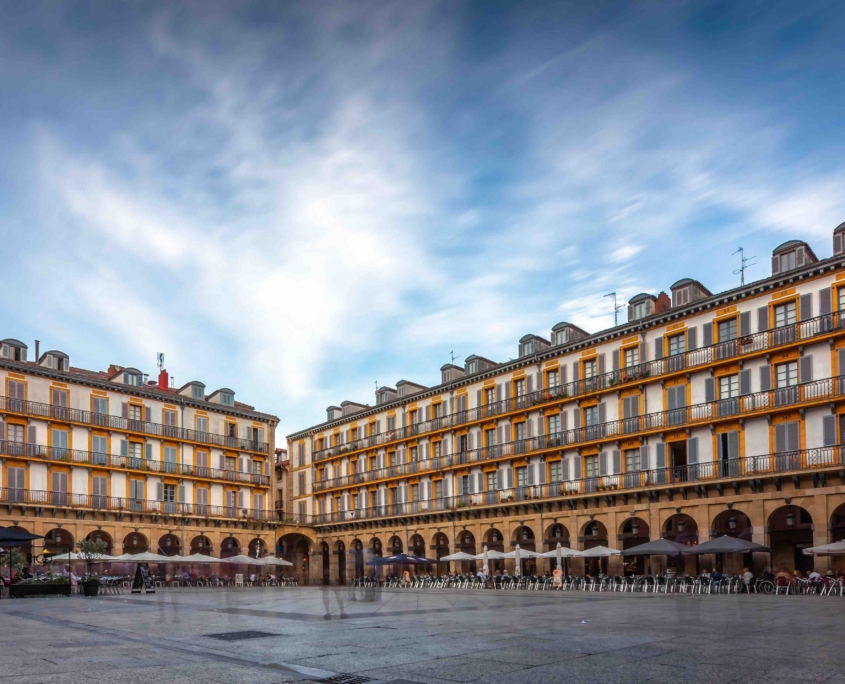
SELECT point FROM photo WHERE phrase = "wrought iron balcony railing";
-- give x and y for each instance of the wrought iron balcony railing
(700, 473)
(72, 415)
(697, 358)
(91, 458)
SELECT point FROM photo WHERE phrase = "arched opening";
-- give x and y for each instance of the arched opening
(394, 546)
(201, 545)
(358, 557)
(494, 541)
(168, 545)
(417, 548)
(257, 548)
(555, 534)
(633, 532)
(340, 549)
(295, 548)
(105, 537)
(790, 532)
(324, 550)
(837, 533)
(732, 524)
(524, 537)
(230, 547)
(440, 542)
(135, 542)
(595, 534)
(682, 529)
(58, 541)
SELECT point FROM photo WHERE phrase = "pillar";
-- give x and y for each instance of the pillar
(315, 568)
(334, 568)
(351, 557)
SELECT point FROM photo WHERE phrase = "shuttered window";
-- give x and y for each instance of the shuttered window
(728, 386)
(785, 314)
(632, 460)
(553, 376)
(632, 357)
(591, 466)
(590, 369)
(556, 472)
(786, 374)
(727, 330)
(676, 345)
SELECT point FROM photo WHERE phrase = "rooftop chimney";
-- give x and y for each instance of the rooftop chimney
(162, 379)
(37, 345)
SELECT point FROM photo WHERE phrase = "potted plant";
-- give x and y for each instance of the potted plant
(90, 550)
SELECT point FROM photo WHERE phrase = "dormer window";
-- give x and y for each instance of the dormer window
(472, 367)
(790, 255)
(13, 350)
(132, 379)
(54, 360)
(527, 348)
(227, 399)
(197, 392)
(640, 306)
(560, 337)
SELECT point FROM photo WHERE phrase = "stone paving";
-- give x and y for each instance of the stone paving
(314, 634)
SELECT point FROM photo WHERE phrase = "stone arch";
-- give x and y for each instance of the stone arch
(465, 542)
(557, 532)
(169, 545)
(790, 530)
(633, 532)
(394, 545)
(257, 548)
(102, 536)
(25, 549)
(135, 542)
(358, 552)
(524, 536)
(594, 533)
(376, 546)
(296, 548)
(340, 550)
(58, 540)
(681, 528)
(494, 539)
(837, 524)
(326, 568)
(230, 546)
(416, 545)
(733, 523)
(201, 544)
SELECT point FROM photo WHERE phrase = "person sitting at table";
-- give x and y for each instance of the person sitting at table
(797, 574)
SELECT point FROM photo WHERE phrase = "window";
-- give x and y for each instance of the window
(136, 450)
(559, 337)
(302, 511)
(202, 424)
(436, 449)
(413, 454)
(785, 314)
(197, 392)
(391, 423)
(632, 357)
(519, 432)
(169, 493)
(464, 484)
(589, 369)
(728, 387)
(522, 477)
(519, 388)
(353, 434)
(472, 367)
(257, 467)
(527, 348)
(556, 471)
(490, 396)
(553, 379)
(641, 310)
(301, 455)
(132, 379)
(227, 399)
(99, 409)
(301, 483)
(16, 483)
(841, 298)
(786, 374)
(554, 424)
(170, 459)
(491, 482)
(436, 410)
(591, 466)
(136, 412)
(591, 416)
(415, 492)
(438, 489)
(462, 444)
(230, 463)
(787, 261)
(16, 433)
(99, 491)
(490, 437)
(632, 460)
(677, 344)
(100, 449)
(59, 443)
(727, 330)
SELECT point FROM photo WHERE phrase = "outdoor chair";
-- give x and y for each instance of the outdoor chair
(782, 585)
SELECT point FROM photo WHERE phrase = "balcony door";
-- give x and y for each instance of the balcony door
(59, 489)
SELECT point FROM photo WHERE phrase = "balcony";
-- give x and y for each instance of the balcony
(714, 472)
(29, 497)
(758, 343)
(142, 464)
(817, 392)
(69, 415)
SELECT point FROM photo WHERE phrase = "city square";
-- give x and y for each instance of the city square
(438, 636)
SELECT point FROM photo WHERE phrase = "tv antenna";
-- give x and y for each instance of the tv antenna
(452, 355)
(616, 308)
(745, 265)
(160, 360)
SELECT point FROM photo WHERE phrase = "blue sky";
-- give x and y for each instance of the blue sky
(299, 200)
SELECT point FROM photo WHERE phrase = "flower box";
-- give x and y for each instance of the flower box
(39, 589)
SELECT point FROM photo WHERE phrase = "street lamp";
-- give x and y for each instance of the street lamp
(681, 526)
(790, 519)
(732, 523)
(635, 528)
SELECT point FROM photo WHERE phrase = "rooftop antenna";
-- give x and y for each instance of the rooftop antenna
(452, 354)
(741, 270)
(160, 360)
(616, 308)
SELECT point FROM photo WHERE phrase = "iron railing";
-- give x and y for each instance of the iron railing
(796, 395)
(72, 415)
(696, 358)
(92, 458)
(713, 471)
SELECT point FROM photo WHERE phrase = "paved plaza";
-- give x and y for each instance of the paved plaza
(264, 636)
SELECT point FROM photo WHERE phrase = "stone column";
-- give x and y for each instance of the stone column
(821, 519)
(334, 568)
(351, 557)
(315, 569)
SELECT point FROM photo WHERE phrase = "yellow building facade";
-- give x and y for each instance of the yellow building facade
(705, 414)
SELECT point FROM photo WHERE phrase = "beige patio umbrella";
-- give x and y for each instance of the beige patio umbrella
(271, 560)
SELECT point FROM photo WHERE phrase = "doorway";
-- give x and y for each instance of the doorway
(678, 460)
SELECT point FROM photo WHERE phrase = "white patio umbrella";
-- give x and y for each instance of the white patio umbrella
(73, 556)
(599, 552)
(459, 556)
(518, 564)
(523, 553)
(145, 557)
(272, 560)
(195, 558)
(565, 552)
(491, 555)
(241, 560)
(834, 549)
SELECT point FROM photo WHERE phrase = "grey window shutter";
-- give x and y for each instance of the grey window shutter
(575, 371)
(498, 392)
(709, 390)
(563, 415)
(762, 318)
(541, 470)
(626, 407)
(692, 338)
(576, 418)
(159, 491)
(780, 438)
(470, 440)
(829, 430)
(745, 382)
(692, 450)
(614, 355)
(2, 429)
(181, 493)
(124, 447)
(539, 381)
(32, 435)
(428, 413)
(775, 264)
(149, 451)
(825, 302)
(644, 457)
(540, 427)
(601, 364)
(617, 461)
(720, 446)
(530, 475)
(510, 477)
(241, 500)
(404, 419)
(576, 468)
(427, 451)
(708, 334)
(658, 347)
(528, 428)
(602, 412)
(500, 431)
(745, 324)
(841, 359)
(661, 455)
(479, 480)
(837, 244)
(529, 384)
(148, 414)
(507, 389)
(805, 369)
(733, 444)
(499, 480)
(602, 463)
(478, 398)
(806, 306)
(765, 378)
(562, 378)
(642, 352)
(124, 409)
